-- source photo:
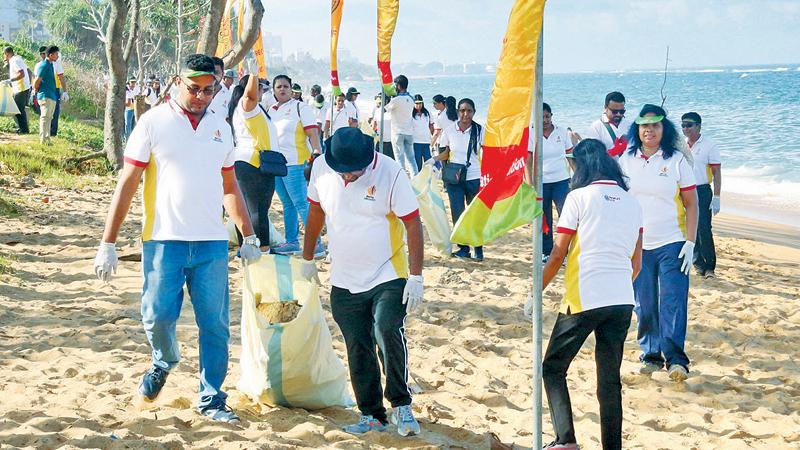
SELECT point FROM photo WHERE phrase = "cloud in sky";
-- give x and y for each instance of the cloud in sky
(579, 35)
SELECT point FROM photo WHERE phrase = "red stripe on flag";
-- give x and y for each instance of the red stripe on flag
(386, 71)
(503, 168)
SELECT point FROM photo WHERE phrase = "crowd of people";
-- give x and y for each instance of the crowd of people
(633, 199)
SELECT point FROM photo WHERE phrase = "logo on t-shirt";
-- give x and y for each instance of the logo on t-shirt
(663, 172)
(370, 194)
(611, 198)
(217, 136)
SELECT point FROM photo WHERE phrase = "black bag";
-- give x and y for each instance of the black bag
(272, 163)
(455, 173)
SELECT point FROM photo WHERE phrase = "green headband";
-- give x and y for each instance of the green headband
(570, 155)
(189, 73)
(643, 120)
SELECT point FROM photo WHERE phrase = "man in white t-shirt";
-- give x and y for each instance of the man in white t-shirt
(385, 140)
(612, 128)
(219, 105)
(20, 82)
(401, 108)
(186, 155)
(707, 169)
(371, 211)
(131, 91)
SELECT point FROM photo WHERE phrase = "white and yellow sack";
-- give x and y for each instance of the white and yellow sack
(432, 210)
(7, 105)
(291, 363)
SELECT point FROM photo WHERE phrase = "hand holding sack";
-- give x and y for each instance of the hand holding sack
(64, 96)
(412, 293)
(687, 254)
(250, 251)
(309, 271)
(715, 205)
(105, 263)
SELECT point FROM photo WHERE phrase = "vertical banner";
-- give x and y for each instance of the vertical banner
(225, 35)
(258, 50)
(336, 22)
(387, 20)
(505, 201)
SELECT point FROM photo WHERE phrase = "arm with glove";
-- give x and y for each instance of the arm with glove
(413, 292)
(689, 199)
(234, 204)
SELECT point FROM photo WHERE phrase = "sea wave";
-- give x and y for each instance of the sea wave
(769, 182)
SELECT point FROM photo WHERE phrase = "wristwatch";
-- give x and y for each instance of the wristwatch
(251, 240)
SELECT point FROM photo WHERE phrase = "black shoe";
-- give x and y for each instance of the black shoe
(478, 254)
(462, 253)
(220, 412)
(152, 382)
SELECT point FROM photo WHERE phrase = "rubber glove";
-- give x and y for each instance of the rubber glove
(249, 251)
(64, 96)
(105, 263)
(309, 271)
(412, 294)
(528, 308)
(715, 205)
(687, 254)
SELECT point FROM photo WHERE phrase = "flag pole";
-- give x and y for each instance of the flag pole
(536, 287)
(380, 133)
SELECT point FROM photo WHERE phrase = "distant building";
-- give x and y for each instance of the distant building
(273, 47)
(13, 17)
(9, 20)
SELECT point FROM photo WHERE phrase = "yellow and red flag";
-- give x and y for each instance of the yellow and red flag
(336, 22)
(387, 20)
(505, 201)
(258, 50)
(225, 36)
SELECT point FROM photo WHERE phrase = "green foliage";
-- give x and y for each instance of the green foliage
(65, 20)
(19, 49)
(6, 264)
(8, 208)
(74, 134)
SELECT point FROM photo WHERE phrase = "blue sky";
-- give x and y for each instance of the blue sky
(580, 35)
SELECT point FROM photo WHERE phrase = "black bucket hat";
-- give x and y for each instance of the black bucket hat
(349, 150)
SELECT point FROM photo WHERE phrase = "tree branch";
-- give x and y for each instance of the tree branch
(254, 12)
(134, 30)
(209, 35)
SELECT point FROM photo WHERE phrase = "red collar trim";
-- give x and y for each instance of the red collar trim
(605, 182)
(179, 109)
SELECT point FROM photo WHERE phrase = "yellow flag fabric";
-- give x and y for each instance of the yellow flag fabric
(258, 50)
(387, 20)
(225, 36)
(504, 201)
(336, 22)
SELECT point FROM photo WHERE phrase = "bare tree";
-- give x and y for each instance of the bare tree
(209, 34)
(251, 26)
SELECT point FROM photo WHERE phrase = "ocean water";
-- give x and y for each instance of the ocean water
(753, 114)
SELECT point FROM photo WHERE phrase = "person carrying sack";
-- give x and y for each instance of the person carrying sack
(461, 175)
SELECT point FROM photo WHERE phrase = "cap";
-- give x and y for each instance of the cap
(418, 99)
(648, 119)
(352, 90)
(350, 150)
(657, 112)
(296, 88)
(230, 73)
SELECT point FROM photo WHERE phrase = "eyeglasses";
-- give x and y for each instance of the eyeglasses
(355, 173)
(688, 124)
(207, 92)
(620, 112)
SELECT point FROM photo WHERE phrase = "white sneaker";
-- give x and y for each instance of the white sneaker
(647, 368)
(678, 373)
(403, 417)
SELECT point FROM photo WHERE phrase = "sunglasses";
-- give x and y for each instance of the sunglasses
(207, 92)
(354, 173)
(688, 124)
(618, 111)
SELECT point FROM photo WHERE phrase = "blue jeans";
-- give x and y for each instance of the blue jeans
(422, 153)
(130, 121)
(552, 193)
(203, 267)
(403, 146)
(292, 190)
(460, 196)
(662, 295)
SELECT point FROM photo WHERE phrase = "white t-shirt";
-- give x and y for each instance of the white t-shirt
(130, 96)
(322, 113)
(442, 122)
(292, 119)
(58, 69)
(422, 130)
(706, 155)
(387, 128)
(183, 192)
(353, 108)
(341, 119)
(554, 160)
(219, 104)
(366, 235)
(268, 100)
(657, 183)
(606, 222)
(401, 108)
(598, 131)
(254, 132)
(458, 141)
(15, 64)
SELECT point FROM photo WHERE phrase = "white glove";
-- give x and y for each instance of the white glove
(715, 205)
(105, 263)
(412, 294)
(249, 251)
(309, 271)
(64, 96)
(528, 308)
(687, 254)
(6, 82)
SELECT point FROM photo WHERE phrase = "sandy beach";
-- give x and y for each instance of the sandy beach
(72, 350)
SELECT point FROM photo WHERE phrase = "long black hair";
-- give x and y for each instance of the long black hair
(670, 140)
(236, 95)
(593, 163)
(422, 112)
(450, 108)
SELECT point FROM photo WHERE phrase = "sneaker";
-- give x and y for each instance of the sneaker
(553, 445)
(545, 258)
(461, 253)
(710, 274)
(403, 417)
(219, 412)
(319, 251)
(286, 248)
(152, 382)
(699, 272)
(478, 254)
(365, 424)
(678, 373)
(648, 368)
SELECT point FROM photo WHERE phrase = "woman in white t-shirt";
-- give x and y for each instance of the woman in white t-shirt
(462, 143)
(599, 232)
(556, 144)
(662, 180)
(385, 146)
(447, 117)
(423, 129)
(253, 132)
(341, 117)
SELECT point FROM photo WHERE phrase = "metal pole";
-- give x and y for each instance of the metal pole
(536, 287)
(380, 134)
(330, 107)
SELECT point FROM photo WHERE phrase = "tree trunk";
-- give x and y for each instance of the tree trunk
(209, 35)
(251, 25)
(114, 120)
(179, 40)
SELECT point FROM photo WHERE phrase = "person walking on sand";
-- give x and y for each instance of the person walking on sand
(46, 93)
(662, 180)
(370, 210)
(187, 156)
(401, 108)
(423, 130)
(707, 170)
(601, 267)
(612, 127)
(20, 82)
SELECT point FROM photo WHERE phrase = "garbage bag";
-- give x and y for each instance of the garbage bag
(275, 236)
(7, 105)
(432, 210)
(288, 363)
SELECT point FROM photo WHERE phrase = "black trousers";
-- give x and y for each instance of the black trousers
(21, 100)
(705, 256)
(385, 148)
(257, 190)
(610, 326)
(371, 319)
